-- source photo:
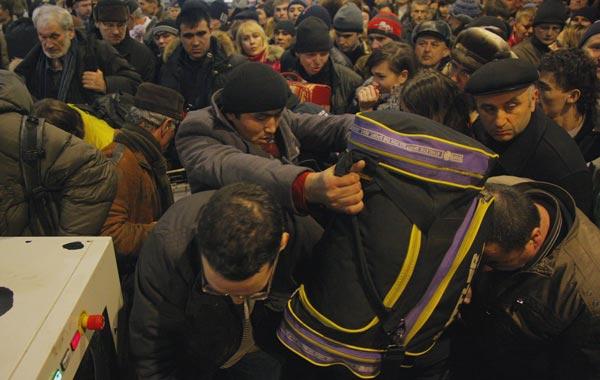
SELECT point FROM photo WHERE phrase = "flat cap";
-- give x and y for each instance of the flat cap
(500, 76)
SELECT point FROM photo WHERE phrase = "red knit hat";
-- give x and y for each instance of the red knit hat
(387, 24)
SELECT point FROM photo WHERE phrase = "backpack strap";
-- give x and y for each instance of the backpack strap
(31, 149)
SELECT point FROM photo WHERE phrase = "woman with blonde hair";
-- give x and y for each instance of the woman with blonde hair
(252, 42)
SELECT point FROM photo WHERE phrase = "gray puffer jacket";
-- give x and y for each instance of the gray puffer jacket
(81, 181)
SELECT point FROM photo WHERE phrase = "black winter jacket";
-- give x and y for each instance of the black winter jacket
(198, 80)
(179, 332)
(92, 54)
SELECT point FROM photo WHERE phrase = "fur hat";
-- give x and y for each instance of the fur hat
(387, 24)
(474, 47)
(111, 11)
(159, 99)
(348, 19)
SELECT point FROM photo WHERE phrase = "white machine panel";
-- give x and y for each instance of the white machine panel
(53, 280)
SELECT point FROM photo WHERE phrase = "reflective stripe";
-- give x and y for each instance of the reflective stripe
(412, 255)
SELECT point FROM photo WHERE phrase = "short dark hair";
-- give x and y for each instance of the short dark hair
(192, 16)
(60, 115)
(399, 56)
(573, 69)
(240, 230)
(435, 96)
(514, 217)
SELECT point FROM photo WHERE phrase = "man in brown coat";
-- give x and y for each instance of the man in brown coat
(144, 192)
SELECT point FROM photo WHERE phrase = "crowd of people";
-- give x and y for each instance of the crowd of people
(120, 92)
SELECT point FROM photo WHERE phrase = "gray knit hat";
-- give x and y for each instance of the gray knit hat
(348, 19)
(471, 8)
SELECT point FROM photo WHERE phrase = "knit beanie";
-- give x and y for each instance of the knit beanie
(588, 12)
(592, 30)
(471, 8)
(219, 11)
(254, 87)
(111, 11)
(159, 99)
(287, 26)
(312, 35)
(551, 12)
(167, 26)
(387, 24)
(348, 19)
(315, 11)
(298, 2)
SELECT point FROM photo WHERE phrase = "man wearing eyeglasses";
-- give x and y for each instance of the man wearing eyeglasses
(210, 279)
(111, 21)
(199, 66)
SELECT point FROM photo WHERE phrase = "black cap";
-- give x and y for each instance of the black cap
(254, 87)
(436, 28)
(501, 76)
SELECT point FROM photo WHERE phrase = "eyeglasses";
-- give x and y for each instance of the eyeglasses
(258, 296)
(457, 69)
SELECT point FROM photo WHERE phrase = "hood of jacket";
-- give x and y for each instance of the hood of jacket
(14, 96)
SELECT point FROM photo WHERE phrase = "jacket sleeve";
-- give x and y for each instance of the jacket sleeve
(86, 179)
(157, 319)
(212, 164)
(119, 75)
(321, 133)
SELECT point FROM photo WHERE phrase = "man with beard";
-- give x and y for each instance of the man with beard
(68, 66)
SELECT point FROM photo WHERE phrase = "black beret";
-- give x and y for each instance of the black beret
(500, 76)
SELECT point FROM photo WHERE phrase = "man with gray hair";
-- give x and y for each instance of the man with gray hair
(68, 66)
(144, 193)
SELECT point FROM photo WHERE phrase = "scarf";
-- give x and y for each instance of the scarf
(139, 139)
(68, 72)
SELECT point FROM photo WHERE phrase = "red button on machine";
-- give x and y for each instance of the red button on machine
(92, 322)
